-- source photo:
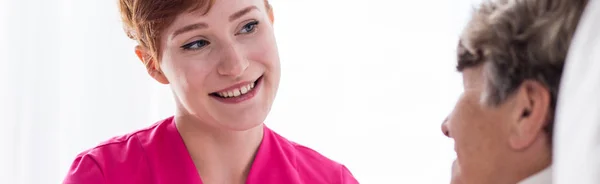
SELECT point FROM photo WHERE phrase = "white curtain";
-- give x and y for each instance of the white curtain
(577, 138)
(366, 83)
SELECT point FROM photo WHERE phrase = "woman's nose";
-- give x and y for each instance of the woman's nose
(233, 63)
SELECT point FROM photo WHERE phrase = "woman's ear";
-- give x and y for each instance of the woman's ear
(271, 15)
(150, 63)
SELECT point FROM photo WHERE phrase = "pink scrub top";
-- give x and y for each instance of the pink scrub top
(157, 155)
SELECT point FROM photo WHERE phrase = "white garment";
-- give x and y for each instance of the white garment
(577, 128)
(542, 177)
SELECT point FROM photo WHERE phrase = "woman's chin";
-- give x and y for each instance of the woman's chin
(241, 121)
(241, 118)
(241, 125)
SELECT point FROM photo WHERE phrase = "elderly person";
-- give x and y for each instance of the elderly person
(511, 56)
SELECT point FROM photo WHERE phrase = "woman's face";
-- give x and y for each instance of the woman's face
(223, 66)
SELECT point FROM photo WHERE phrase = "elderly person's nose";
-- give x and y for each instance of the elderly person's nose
(445, 128)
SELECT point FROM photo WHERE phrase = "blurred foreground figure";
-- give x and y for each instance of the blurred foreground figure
(511, 56)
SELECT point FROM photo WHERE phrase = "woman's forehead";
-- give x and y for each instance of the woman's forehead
(220, 11)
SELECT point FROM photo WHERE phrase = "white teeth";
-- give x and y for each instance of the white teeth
(237, 92)
(244, 90)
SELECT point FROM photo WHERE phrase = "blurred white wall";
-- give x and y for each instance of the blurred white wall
(366, 83)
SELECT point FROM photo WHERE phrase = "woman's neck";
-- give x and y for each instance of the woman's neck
(220, 156)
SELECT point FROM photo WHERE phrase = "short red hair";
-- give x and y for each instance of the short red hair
(144, 20)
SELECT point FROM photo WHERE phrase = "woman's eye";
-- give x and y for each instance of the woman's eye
(198, 44)
(249, 28)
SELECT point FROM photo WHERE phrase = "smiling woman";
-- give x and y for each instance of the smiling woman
(221, 62)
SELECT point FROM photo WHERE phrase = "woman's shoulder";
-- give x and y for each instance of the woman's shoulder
(300, 152)
(312, 164)
(130, 142)
(116, 156)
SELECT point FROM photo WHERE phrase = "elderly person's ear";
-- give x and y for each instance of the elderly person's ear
(531, 112)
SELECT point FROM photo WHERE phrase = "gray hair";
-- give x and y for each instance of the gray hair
(518, 40)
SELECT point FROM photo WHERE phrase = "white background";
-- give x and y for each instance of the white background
(365, 82)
